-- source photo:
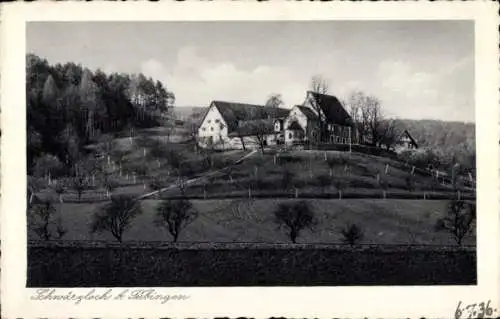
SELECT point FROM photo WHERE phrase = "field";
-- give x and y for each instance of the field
(235, 240)
(383, 222)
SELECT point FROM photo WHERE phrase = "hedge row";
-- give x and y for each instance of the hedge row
(129, 267)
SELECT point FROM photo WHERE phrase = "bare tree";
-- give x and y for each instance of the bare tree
(258, 130)
(286, 179)
(59, 189)
(295, 217)
(79, 185)
(459, 220)
(175, 215)
(388, 134)
(41, 221)
(319, 84)
(372, 119)
(367, 116)
(116, 217)
(274, 100)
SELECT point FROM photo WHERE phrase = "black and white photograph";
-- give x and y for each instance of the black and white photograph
(271, 153)
(279, 153)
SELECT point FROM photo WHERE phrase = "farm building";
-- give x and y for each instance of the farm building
(405, 142)
(234, 125)
(230, 125)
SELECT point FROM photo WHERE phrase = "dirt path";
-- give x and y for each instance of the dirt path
(194, 180)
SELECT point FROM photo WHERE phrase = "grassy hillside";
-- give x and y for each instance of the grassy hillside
(383, 222)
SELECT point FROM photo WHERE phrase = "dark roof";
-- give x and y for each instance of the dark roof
(235, 112)
(332, 108)
(253, 127)
(411, 138)
(307, 112)
(295, 126)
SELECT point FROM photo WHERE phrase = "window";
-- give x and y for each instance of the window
(203, 129)
(209, 121)
(211, 129)
(217, 120)
(290, 135)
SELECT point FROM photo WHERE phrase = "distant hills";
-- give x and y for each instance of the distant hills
(183, 112)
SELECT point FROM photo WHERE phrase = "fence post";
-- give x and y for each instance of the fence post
(425, 195)
(249, 193)
(378, 177)
(413, 170)
(386, 169)
(325, 157)
(296, 192)
(458, 194)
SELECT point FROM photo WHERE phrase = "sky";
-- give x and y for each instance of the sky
(417, 69)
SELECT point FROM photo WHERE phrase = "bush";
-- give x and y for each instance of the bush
(352, 234)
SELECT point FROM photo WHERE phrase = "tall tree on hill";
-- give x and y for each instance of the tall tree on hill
(388, 134)
(319, 85)
(50, 93)
(366, 112)
(90, 102)
(274, 100)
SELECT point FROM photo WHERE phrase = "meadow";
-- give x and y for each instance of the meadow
(240, 220)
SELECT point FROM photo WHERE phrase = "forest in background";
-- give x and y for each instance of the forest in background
(70, 106)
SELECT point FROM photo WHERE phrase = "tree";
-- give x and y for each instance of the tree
(50, 93)
(286, 179)
(339, 182)
(372, 119)
(367, 115)
(294, 217)
(324, 182)
(90, 101)
(352, 234)
(110, 185)
(459, 220)
(42, 221)
(175, 215)
(79, 185)
(388, 134)
(258, 130)
(116, 217)
(274, 100)
(410, 183)
(59, 189)
(319, 84)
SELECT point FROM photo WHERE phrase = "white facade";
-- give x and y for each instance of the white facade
(295, 115)
(213, 129)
